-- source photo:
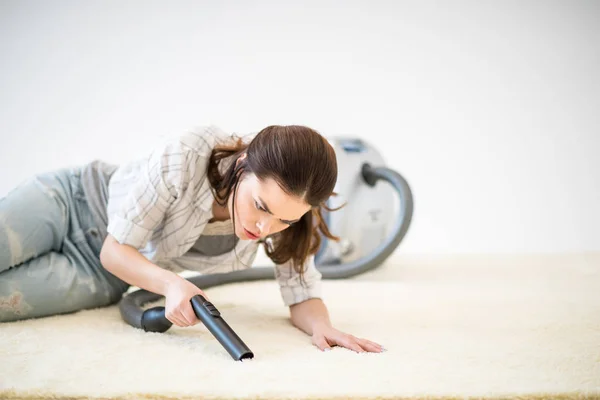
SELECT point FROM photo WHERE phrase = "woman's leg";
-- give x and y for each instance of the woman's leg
(49, 251)
(33, 221)
(48, 285)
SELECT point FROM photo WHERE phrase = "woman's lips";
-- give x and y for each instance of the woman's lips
(250, 234)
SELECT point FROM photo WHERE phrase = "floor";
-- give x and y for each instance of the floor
(455, 327)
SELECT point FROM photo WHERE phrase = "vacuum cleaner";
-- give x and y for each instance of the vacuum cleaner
(374, 220)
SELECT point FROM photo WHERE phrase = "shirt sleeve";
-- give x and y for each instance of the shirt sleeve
(162, 179)
(293, 289)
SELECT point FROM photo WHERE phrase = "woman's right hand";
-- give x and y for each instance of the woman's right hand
(178, 305)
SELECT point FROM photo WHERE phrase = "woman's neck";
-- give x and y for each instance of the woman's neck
(220, 213)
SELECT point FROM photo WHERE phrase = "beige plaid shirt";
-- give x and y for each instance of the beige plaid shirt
(161, 204)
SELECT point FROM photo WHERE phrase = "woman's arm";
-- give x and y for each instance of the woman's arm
(129, 265)
(163, 177)
(310, 315)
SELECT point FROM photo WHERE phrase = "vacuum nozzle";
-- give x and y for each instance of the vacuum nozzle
(211, 317)
(154, 320)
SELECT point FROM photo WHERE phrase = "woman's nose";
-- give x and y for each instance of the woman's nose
(264, 226)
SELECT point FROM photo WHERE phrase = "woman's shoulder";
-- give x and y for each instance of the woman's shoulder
(203, 139)
(200, 140)
(170, 151)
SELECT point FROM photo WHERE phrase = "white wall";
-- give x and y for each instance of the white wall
(489, 109)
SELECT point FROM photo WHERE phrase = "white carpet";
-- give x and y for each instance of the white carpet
(454, 327)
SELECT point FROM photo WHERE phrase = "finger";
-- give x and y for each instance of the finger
(373, 343)
(176, 321)
(181, 315)
(321, 343)
(183, 324)
(368, 343)
(190, 316)
(370, 346)
(352, 344)
(357, 348)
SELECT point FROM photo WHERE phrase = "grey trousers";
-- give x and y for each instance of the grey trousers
(50, 249)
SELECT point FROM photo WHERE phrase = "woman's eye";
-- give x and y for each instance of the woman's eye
(258, 206)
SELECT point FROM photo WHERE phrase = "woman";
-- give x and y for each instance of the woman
(78, 238)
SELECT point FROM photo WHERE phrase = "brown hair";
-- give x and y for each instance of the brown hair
(303, 164)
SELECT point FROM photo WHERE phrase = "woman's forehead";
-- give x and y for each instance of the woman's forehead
(279, 203)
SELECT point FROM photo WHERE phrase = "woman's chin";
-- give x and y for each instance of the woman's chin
(241, 234)
(241, 237)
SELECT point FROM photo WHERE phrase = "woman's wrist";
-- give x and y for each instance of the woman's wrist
(320, 324)
(168, 279)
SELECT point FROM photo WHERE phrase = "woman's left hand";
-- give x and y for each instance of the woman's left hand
(326, 337)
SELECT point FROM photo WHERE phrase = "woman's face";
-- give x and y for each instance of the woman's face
(263, 208)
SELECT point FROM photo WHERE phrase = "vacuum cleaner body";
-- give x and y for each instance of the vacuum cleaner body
(368, 212)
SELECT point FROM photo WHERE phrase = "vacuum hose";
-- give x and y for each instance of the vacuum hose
(154, 320)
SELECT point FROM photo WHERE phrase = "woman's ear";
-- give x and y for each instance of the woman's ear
(240, 158)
